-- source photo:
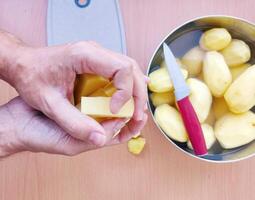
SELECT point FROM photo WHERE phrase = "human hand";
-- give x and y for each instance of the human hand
(23, 128)
(44, 77)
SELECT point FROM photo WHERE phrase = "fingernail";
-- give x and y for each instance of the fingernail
(139, 116)
(145, 107)
(119, 126)
(97, 138)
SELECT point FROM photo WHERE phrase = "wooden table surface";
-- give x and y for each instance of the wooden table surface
(160, 172)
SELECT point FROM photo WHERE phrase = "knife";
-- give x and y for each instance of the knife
(182, 92)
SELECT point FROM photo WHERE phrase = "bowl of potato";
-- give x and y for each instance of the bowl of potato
(216, 57)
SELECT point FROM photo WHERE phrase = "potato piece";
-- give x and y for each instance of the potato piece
(98, 119)
(162, 98)
(216, 73)
(136, 145)
(237, 71)
(107, 91)
(236, 53)
(209, 136)
(100, 107)
(193, 60)
(160, 80)
(220, 107)
(240, 96)
(215, 39)
(200, 97)
(87, 84)
(170, 121)
(234, 130)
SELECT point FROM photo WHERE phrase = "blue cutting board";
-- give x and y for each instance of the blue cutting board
(76, 20)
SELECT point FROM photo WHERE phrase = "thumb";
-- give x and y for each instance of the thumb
(70, 119)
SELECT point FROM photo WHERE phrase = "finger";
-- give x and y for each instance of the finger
(72, 120)
(132, 128)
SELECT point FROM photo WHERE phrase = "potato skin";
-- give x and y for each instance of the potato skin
(170, 121)
(240, 96)
(236, 53)
(193, 60)
(216, 73)
(200, 97)
(209, 136)
(215, 39)
(234, 130)
(160, 80)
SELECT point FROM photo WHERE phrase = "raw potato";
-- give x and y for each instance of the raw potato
(215, 39)
(160, 80)
(200, 97)
(216, 73)
(209, 136)
(136, 145)
(234, 130)
(162, 98)
(220, 107)
(237, 71)
(193, 60)
(236, 53)
(240, 96)
(170, 121)
(87, 84)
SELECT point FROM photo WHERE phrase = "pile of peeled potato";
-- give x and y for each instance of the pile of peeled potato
(222, 85)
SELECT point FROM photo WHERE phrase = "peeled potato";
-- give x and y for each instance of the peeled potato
(237, 71)
(234, 130)
(216, 73)
(215, 39)
(236, 53)
(209, 136)
(162, 98)
(240, 96)
(136, 145)
(193, 60)
(160, 80)
(220, 107)
(200, 97)
(170, 121)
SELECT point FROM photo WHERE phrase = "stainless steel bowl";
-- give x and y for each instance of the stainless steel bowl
(187, 36)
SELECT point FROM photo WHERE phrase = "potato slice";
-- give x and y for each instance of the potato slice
(209, 136)
(216, 73)
(193, 60)
(136, 145)
(220, 107)
(200, 97)
(169, 119)
(237, 71)
(236, 53)
(160, 80)
(240, 96)
(215, 39)
(234, 130)
(162, 98)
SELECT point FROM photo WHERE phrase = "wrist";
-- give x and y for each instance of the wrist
(9, 143)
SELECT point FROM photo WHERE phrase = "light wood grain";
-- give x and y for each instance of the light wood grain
(161, 172)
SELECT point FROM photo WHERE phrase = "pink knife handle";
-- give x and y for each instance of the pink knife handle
(192, 126)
